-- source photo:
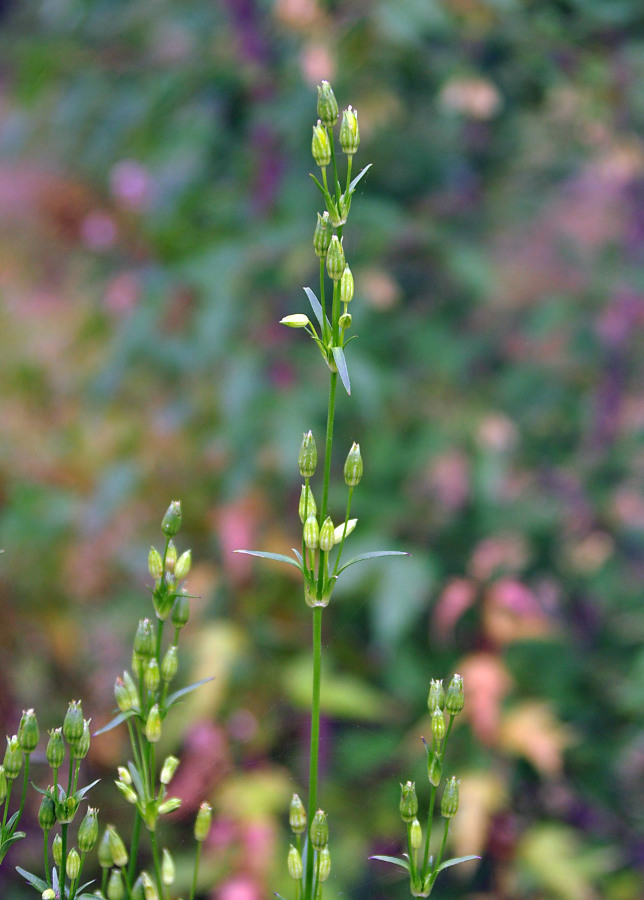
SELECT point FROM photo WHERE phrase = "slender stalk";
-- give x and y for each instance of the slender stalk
(134, 847)
(412, 855)
(315, 741)
(157, 863)
(24, 787)
(430, 817)
(62, 874)
(440, 853)
(6, 803)
(46, 854)
(344, 532)
(195, 871)
(328, 445)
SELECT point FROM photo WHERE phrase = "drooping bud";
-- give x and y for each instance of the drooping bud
(169, 768)
(296, 320)
(308, 456)
(438, 724)
(104, 852)
(297, 815)
(183, 565)
(311, 533)
(88, 831)
(171, 522)
(415, 835)
(80, 748)
(12, 762)
(307, 506)
(143, 640)
(353, 467)
(434, 769)
(124, 775)
(203, 821)
(327, 535)
(320, 145)
(149, 888)
(55, 748)
(408, 801)
(347, 286)
(155, 564)
(57, 850)
(180, 610)
(335, 261)
(324, 864)
(152, 676)
(117, 847)
(153, 725)
(345, 321)
(73, 722)
(349, 131)
(436, 698)
(455, 698)
(294, 863)
(167, 868)
(449, 802)
(47, 813)
(170, 558)
(72, 866)
(170, 805)
(28, 733)
(169, 664)
(327, 108)
(127, 792)
(322, 234)
(319, 832)
(115, 889)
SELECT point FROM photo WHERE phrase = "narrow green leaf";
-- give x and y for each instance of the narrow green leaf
(316, 306)
(186, 690)
(299, 556)
(278, 557)
(355, 181)
(373, 555)
(117, 720)
(136, 778)
(395, 860)
(34, 880)
(454, 862)
(81, 793)
(9, 841)
(343, 372)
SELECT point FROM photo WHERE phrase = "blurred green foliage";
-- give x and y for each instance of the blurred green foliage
(155, 223)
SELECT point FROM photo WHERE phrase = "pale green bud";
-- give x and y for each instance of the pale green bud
(349, 131)
(308, 456)
(434, 769)
(297, 815)
(347, 286)
(152, 676)
(182, 567)
(438, 724)
(117, 847)
(80, 748)
(105, 860)
(172, 519)
(88, 831)
(455, 698)
(353, 466)
(307, 506)
(169, 768)
(319, 832)
(294, 863)
(47, 812)
(149, 888)
(320, 145)
(12, 758)
(327, 535)
(124, 775)
(408, 801)
(3, 785)
(167, 868)
(57, 850)
(153, 725)
(449, 802)
(73, 722)
(335, 261)
(155, 564)
(55, 748)
(127, 792)
(143, 641)
(72, 866)
(415, 835)
(296, 320)
(339, 532)
(327, 107)
(169, 664)
(324, 864)
(345, 321)
(48, 894)
(311, 533)
(203, 821)
(115, 889)
(169, 805)
(170, 558)
(322, 234)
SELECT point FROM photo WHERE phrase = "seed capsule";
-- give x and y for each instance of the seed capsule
(297, 816)
(436, 698)
(73, 722)
(170, 664)
(319, 831)
(353, 466)
(183, 565)
(324, 864)
(88, 831)
(12, 762)
(455, 698)
(327, 107)
(438, 724)
(80, 748)
(57, 850)
(155, 564)
(47, 813)
(72, 866)
(152, 676)
(327, 535)
(294, 863)
(311, 533)
(347, 286)
(349, 131)
(320, 145)
(55, 748)
(3, 785)
(203, 821)
(307, 506)
(449, 802)
(180, 611)
(434, 769)
(115, 889)
(322, 234)
(28, 732)
(143, 640)
(308, 456)
(408, 801)
(171, 522)
(153, 725)
(335, 261)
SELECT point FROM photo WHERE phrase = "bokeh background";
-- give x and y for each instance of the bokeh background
(155, 223)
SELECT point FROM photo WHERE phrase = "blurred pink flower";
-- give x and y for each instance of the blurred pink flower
(131, 184)
(456, 598)
(122, 293)
(98, 231)
(239, 887)
(449, 479)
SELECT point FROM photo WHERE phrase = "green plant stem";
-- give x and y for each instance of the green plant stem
(6, 803)
(62, 874)
(104, 875)
(134, 847)
(336, 180)
(325, 335)
(349, 166)
(157, 863)
(195, 871)
(430, 817)
(412, 856)
(344, 532)
(24, 789)
(328, 445)
(315, 742)
(46, 855)
(440, 853)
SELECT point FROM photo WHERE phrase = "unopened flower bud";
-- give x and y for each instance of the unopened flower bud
(12, 762)
(115, 889)
(455, 698)
(311, 533)
(47, 812)
(80, 748)
(202, 822)
(55, 748)
(327, 107)
(324, 864)
(182, 567)
(124, 775)
(155, 564)
(48, 894)
(137, 889)
(170, 558)
(127, 792)
(436, 698)
(28, 732)
(171, 522)
(347, 286)
(144, 640)
(153, 725)
(149, 888)
(408, 801)
(438, 724)
(327, 535)
(307, 506)
(72, 866)
(297, 815)
(88, 831)
(349, 131)
(73, 722)
(320, 145)
(340, 531)
(169, 768)
(180, 611)
(415, 835)
(170, 805)
(57, 850)
(169, 664)
(335, 261)
(353, 467)
(66, 809)
(345, 321)
(319, 832)
(434, 769)
(322, 234)
(449, 802)
(104, 852)
(152, 676)
(167, 868)
(296, 320)
(294, 863)
(117, 847)
(308, 456)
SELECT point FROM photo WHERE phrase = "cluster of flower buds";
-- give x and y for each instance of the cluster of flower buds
(318, 835)
(170, 569)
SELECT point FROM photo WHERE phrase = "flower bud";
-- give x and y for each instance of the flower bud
(296, 320)
(320, 145)
(115, 889)
(55, 748)
(415, 835)
(137, 889)
(353, 466)
(322, 234)
(170, 558)
(167, 868)
(339, 530)
(73, 722)
(47, 812)
(202, 822)
(169, 805)
(347, 286)
(57, 850)
(436, 698)
(12, 762)
(180, 611)
(319, 831)
(311, 533)
(80, 748)
(294, 863)
(155, 564)
(72, 866)
(182, 567)
(169, 664)
(349, 131)
(327, 108)
(88, 831)
(171, 522)
(438, 724)
(149, 888)
(307, 506)
(66, 809)
(117, 848)
(434, 769)
(124, 775)
(48, 894)
(335, 261)
(324, 864)
(455, 698)
(127, 792)
(345, 321)
(153, 725)
(152, 676)
(3, 785)
(104, 852)
(308, 456)
(449, 802)
(297, 815)
(28, 732)
(327, 535)
(408, 801)
(143, 640)
(169, 768)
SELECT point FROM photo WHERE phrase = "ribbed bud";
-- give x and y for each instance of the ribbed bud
(66, 810)
(143, 640)
(183, 565)
(170, 805)
(137, 889)
(335, 261)
(168, 769)
(180, 611)
(57, 850)
(339, 531)
(48, 894)
(297, 815)
(153, 725)
(127, 792)
(72, 866)
(408, 801)
(203, 821)
(434, 769)
(47, 813)
(115, 888)
(88, 831)
(80, 748)
(438, 724)
(327, 535)
(55, 748)
(73, 722)
(322, 234)
(319, 832)
(327, 107)
(294, 863)
(152, 675)
(349, 131)
(347, 286)
(167, 868)
(353, 467)
(324, 864)
(149, 888)
(155, 564)
(311, 533)
(12, 762)
(169, 664)
(449, 802)
(171, 522)
(3, 785)
(117, 847)
(345, 321)
(436, 698)
(320, 145)
(307, 506)
(415, 835)
(296, 320)
(104, 852)
(455, 698)
(28, 733)
(308, 456)
(170, 558)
